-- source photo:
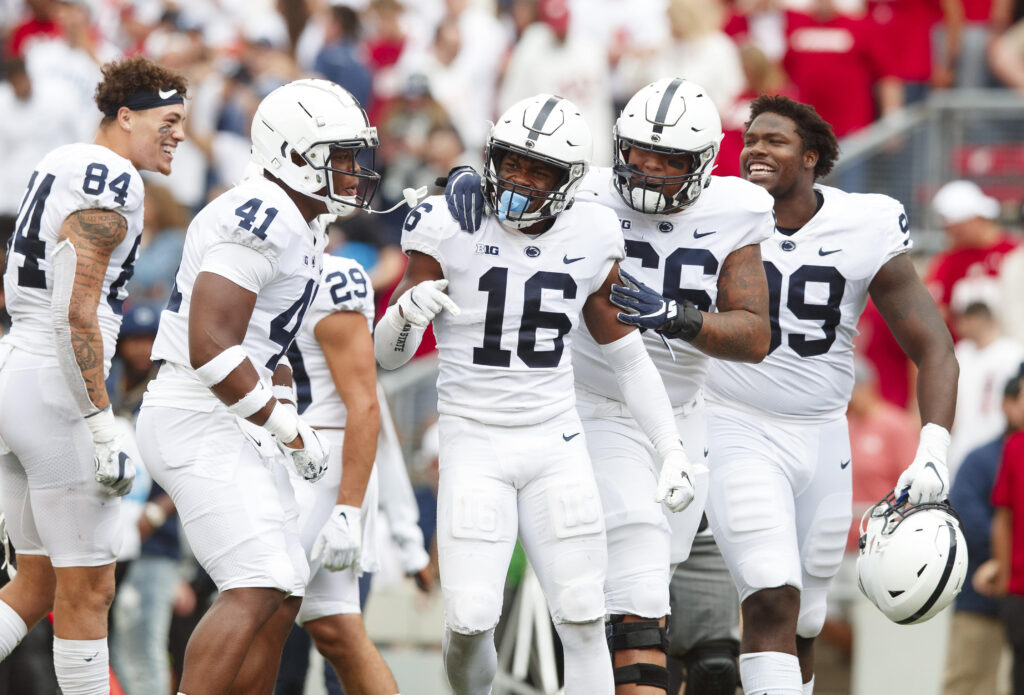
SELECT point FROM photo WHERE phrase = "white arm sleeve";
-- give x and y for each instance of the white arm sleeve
(395, 340)
(643, 391)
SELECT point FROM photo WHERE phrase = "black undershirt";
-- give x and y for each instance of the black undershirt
(790, 231)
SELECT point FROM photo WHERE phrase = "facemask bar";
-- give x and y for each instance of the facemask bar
(505, 206)
(368, 178)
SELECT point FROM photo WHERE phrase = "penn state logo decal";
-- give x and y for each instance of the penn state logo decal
(787, 245)
(532, 251)
(665, 227)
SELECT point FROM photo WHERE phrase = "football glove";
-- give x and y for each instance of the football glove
(411, 553)
(927, 478)
(646, 308)
(310, 460)
(420, 304)
(115, 470)
(464, 196)
(675, 483)
(339, 542)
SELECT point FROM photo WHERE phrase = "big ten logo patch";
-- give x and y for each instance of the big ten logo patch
(487, 250)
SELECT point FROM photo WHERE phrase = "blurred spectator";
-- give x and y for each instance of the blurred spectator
(163, 238)
(1006, 57)
(906, 30)
(987, 361)
(876, 344)
(697, 48)
(385, 42)
(132, 367)
(976, 636)
(1010, 290)
(548, 59)
(36, 118)
(981, 22)
(37, 24)
(1003, 574)
(836, 62)
(761, 23)
(341, 60)
(977, 243)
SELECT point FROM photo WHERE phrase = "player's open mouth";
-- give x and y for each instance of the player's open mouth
(168, 151)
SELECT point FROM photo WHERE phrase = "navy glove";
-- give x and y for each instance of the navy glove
(646, 308)
(465, 197)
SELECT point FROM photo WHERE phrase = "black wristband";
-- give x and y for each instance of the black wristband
(687, 323)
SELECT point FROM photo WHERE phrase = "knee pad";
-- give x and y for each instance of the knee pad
(580, 603)
(472, 611)
(812, 617)
(641, 634)
(711, 668)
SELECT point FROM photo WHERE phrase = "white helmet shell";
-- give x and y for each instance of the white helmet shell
(913, 559)
(673, 117)
(546, 128)
(312, 118)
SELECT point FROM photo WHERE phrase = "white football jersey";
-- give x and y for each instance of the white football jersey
(681, 256)
(257, 214)
(505, 360)
(818, 282)
(344, 286)
(70, 178)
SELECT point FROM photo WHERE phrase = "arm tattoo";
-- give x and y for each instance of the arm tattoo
(95, 234)
(740, 330)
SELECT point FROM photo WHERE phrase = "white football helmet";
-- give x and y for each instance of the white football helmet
(673, 117)
(913, 558)
(546, 128)
(313, 118)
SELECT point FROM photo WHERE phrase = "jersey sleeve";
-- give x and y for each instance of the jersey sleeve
(894, 230)
(104, 183)
(760, 218)
(605, 227)
(246, 267)
(426, 227)
(343, 287)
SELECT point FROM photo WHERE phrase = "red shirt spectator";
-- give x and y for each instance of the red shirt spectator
(977, 242)
(878, 346)
(1009, 493)
(30, 29)
(906, 26)
(834, 62)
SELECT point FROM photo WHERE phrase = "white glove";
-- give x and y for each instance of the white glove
(114, 468)
(927, 478)
(420, 304)
(411, 553)
(675, 484)
(311, 460)
(340, 540)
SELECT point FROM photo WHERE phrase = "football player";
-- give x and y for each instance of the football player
(780, 496)
(335, 378)
(697, 238)
(513, 450)
(63, 466)
(210, 426)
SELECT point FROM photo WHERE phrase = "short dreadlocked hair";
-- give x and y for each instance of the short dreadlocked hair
(814, 131)
(123, 78)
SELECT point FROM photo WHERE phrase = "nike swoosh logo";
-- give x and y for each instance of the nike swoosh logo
(566, 259)
(931, 465)
(168, 94)
(844, 464)
(570, 436)
(87, 659)
(697, 235)
(823, 252)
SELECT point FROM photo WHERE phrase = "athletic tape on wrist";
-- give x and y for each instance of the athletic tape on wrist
(284, 393)
(283, 423)
(251, 402)
(217, 369)
(102, 425)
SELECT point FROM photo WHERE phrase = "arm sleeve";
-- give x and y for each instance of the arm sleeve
(643, 391)
(395, 340)
(246, 267)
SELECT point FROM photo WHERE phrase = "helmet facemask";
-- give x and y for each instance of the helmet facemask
(320, 157)
(647, 193)
(518, 206)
